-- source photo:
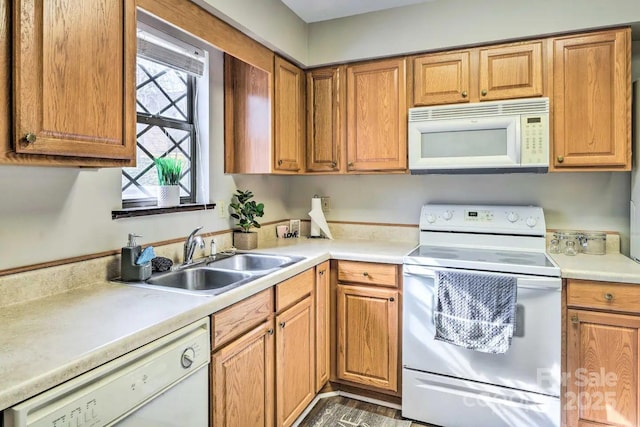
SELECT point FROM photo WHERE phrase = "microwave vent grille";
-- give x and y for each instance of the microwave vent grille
(485, 109)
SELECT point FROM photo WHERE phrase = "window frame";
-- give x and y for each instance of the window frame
(166, 122)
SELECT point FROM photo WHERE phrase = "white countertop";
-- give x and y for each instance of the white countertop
(47, 341)
(607, 268)
(50, 340)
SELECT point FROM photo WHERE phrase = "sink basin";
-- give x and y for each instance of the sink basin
(200, 280)
(218, 276)
(254, 262)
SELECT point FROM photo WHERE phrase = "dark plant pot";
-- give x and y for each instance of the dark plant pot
(245, 241)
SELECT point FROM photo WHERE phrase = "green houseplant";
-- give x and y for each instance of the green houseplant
(246, 211)
(169, 173)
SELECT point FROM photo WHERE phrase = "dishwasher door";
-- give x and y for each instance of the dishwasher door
(164, 383)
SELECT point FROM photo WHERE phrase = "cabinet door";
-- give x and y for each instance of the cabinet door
(247, 117)
(295, 385)
(592, 102)
(74, 78)
(441, 78)
(323, 346)
(377, 116)
(513, 71)
(367, 322)
(602, 369)
(325, 90)
(242, 380)
(289, 116)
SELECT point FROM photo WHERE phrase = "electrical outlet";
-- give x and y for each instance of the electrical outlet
(325, 204)
(222, 209)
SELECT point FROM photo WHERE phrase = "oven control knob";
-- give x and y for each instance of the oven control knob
(447, 215)
(531, 222)
(431, 218)
(513, 217)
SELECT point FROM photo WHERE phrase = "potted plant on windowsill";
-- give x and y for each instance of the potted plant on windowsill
(169, 173)
(246, 211)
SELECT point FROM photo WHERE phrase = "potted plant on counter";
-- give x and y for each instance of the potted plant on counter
(169, 173)
(246, 211)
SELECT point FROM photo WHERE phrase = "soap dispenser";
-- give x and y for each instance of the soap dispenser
(129, 270)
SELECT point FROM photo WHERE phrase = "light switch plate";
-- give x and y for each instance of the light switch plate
(324, 202)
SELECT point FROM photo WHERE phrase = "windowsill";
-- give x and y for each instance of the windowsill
(154, 210)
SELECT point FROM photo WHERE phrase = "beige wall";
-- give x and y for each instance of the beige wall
(446, 23)
(53, 213)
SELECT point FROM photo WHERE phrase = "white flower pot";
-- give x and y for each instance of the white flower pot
(168, 195)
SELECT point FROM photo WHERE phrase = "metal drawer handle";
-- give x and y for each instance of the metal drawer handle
(365, 274)
(608, 296)
(30, 137)
(574, 319)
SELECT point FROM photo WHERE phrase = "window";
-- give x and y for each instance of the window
(165, 93)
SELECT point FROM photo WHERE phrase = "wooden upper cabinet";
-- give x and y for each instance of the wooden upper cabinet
(248, 93)
(490, 73)
(290, 117)
(441, 78)
(377, 116)
(325, 106)
(513, 71)
(74, 80)
(592, 101)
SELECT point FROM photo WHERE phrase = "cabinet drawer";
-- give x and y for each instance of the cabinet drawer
(240, 317)
(294, 289)
(368, 273)
(603, 295)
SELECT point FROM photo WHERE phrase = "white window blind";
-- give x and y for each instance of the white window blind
(179, 56)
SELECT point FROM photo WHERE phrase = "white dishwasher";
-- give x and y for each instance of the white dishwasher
(162, 384)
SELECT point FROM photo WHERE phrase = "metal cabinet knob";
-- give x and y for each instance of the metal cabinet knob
(334, 164)
(464, 94)
(484, 92)
(392, 299)
(282, 324)
(560, 159)
(574, 318)
(30, 137)
(365, 274)
(608, 296)
(280, 162)
(321, 272)
(350, 164)
(270, 331)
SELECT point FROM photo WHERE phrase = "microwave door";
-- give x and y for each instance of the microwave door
(465, 144)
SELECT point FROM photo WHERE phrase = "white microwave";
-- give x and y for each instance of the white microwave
(487, 137)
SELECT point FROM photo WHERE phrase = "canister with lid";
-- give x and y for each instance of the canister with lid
(566, 236)
(594, 242)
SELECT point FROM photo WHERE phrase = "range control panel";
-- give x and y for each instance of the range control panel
(519, 220)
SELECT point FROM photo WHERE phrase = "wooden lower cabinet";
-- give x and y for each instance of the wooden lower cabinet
(367, 336)
(602, 378)
(295, 360)
(242, 380)
(323, 323)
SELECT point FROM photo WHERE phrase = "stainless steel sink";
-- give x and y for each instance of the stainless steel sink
(200, 279)
(218, 276)
(254, 262)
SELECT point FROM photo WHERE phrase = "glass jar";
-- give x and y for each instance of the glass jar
(594, 243)
(554, 246)
(569, 238)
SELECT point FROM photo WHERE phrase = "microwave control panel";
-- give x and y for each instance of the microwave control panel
(534, 145)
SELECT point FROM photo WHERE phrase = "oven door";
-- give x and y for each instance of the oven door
(532, 362)
(482, 143)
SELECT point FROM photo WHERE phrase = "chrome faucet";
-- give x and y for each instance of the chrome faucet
(190, 246)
